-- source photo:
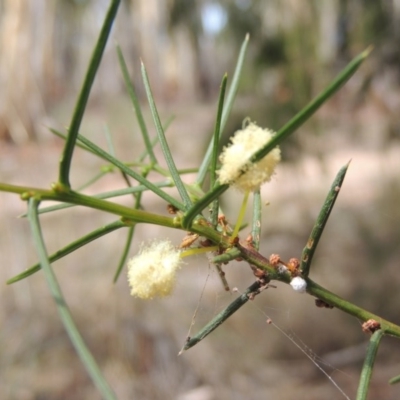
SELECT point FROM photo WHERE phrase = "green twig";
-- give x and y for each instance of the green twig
(65, 161)
(299, 119)
(136, 106)
(75, 245)
(132, 173)
(125, 253)
(94, 179)
(164, 144)
(137, 216)
(201, 204)
(214, 156)
(316, 233)
(328, 297)
(368, 366)
(230, 98)
(221, 317)
(233, 89)
(133, 216)
(107, 134)
(394, 380)
(65, 137)
(129, 237)
(66, 317)
(106, 195)
(227, 256)
(222, 277)
(256, 222)
(203, 229)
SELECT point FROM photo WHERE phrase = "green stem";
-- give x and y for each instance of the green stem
(106, 195)
(214, 157)
(299, 119)
(256, 220)
(125, 253)
(173, 170)
(227, 256)
(72, 197)
(200, 205)
(368, 366)
(136, 106)
(221, 317)
(65, 162)
(328, 297)
(139, 178)
(202, 228)
(316, 233)
(128, 242)
(394, 380)
(65, 315)
(137, 216)
(228, 104)
(302, 116)
(242, 213)
(75, 245)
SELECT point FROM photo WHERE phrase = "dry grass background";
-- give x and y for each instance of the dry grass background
(136, 343)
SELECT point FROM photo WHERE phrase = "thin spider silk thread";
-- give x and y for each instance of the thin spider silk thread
(289, 337)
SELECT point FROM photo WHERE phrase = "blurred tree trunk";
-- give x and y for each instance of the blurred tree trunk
(166, 37)
(26, 34)
(45, 46)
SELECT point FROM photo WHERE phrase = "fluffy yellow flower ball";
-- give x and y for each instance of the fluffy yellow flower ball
(235, 168)
(151, 273)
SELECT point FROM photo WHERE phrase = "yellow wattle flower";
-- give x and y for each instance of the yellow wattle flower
(151, 273)
(245, 143)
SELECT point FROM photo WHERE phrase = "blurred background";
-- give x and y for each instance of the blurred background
(295, 50)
